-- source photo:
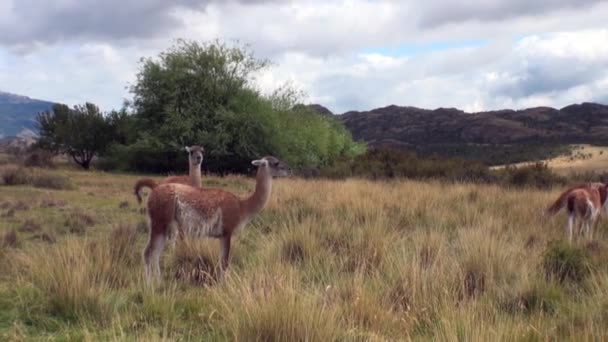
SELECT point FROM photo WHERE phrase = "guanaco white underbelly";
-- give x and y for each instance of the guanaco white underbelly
(197, 224)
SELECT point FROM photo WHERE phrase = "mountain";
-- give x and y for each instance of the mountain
(404, 126)
(18, 113)
(494, 137)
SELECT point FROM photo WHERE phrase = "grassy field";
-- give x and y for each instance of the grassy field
(326, 260)
(583, 158)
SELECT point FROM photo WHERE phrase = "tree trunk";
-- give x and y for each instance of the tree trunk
(83, 161)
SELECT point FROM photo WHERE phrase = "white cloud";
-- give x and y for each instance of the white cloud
(549, 52)
(553, 70)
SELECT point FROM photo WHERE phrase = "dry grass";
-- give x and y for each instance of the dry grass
(584, 158)
(325, 261)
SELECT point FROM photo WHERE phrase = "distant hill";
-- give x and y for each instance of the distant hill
(579, 123)
(493, 136)
(18, 113)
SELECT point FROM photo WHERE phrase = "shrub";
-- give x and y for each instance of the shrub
(120, 245)
(273, 310)
(542, 297)
(10, 239)
(78, 221)
(22, 176)
(194, 264)
(46, 237)
(565, 263)
(294, 251)
(52, 181)
(387, 163)
(30, 226)
(474, 279)
(39, 158)
(15, 176)
(72, 282)
(535, 175)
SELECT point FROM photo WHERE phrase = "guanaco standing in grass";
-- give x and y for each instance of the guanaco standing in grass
(584, 203)
(202, 212)
(195, 159)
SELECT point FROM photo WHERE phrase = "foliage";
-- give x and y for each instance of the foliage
(15, 176)
(201, 93)
(26, 176)
(39, 158)
(564, 262)
(384, 163)
(52, 181)
(82, 132)
(538, 175)
(494, 154)
(389, 163)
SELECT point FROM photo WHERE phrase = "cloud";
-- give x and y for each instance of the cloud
(436, 13)
(553, 70)
(552, 63)
(73, 74)
(347, 54)
(25, 23)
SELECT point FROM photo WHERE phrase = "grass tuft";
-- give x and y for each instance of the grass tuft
(10, 239)
(79, 221)
(565, 262)
(15, 176)
(52, 181)
(194, 263)
(30, 226)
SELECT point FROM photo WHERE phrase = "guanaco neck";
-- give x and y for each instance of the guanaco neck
(257, 201)
(195, 174)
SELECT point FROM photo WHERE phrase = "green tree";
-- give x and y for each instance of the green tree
(202, 93)
(179, 95)
(82, 132)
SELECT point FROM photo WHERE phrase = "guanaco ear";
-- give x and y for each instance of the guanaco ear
(187, 149)
(259, 162)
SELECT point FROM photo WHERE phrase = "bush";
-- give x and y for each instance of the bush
(15, 176)
(29, 226)
(543, 297)
(52, 181)
(23, 176)
(536, 175)
(9, 239)
(565, 263)
(195, 264)
(387, 163)
(78, 222)
(39, 158)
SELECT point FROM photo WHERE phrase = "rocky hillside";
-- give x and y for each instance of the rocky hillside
(578, 123)
(18, 113)
(495, 137)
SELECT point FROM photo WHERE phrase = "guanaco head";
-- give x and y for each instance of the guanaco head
(195, 154)
(276, 167)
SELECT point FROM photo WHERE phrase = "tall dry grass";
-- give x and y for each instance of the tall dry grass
(325, 261)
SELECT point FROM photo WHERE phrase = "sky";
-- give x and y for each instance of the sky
(345, 55)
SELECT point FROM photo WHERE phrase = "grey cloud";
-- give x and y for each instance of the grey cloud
(438, 13)
(544, 76)
(39, 21)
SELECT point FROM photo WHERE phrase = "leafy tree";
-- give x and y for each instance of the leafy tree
(203, 94)
(81, 132)
(178, 96)
(122, 126)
